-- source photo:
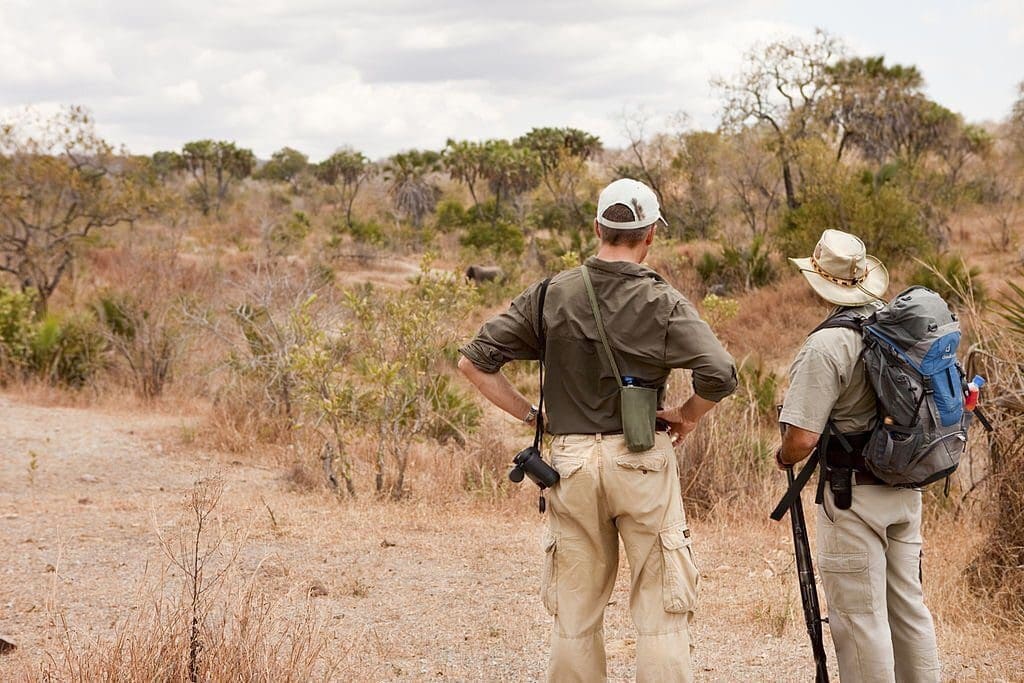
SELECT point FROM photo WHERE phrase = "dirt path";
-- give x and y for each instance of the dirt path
(413, 591)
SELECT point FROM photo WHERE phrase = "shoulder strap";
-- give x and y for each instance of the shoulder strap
(542, 342)
(600, 323)
(845, 319)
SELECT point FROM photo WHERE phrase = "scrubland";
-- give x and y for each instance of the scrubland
(236, 447)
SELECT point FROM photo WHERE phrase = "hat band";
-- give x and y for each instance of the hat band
(844, 282)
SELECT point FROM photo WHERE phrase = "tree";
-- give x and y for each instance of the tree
(466, 162)
(385, 374)
(214, 165)
(781, 85)
(285, 166)
(1017, 120)
(752, 176)
(697, 164)
(510, 171)
(650, 157)
(59, 183)
(165, 164)
(562, 154)
(882, 111)
(344, 172)
(410, 186)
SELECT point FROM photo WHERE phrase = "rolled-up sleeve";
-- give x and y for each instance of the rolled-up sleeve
(690, 344)
(508, 336)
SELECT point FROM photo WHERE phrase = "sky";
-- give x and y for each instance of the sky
(389, 75)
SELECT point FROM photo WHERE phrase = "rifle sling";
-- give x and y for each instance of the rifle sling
(794, 489)
(538, 433)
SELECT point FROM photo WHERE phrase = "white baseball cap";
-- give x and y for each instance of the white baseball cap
(634, 195)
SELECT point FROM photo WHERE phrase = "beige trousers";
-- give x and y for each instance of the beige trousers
(870, 562)
(605, 493)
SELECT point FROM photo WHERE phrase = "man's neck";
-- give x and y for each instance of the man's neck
(608, 252)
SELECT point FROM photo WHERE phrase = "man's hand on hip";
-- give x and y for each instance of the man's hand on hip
(684, 419)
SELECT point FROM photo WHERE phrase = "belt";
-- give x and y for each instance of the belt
(862, 478)
(866, 479)
(616, 432)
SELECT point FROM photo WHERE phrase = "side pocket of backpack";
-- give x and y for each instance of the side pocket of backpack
(891, 450)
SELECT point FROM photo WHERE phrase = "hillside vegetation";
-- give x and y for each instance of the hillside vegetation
(307, 313)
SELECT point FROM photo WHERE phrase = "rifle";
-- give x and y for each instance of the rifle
(805, 568)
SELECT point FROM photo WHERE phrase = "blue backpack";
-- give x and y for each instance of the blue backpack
(910, 348)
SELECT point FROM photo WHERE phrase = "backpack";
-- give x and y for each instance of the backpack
(909, 355)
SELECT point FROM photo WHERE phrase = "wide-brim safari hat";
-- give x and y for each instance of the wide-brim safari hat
(841, 272)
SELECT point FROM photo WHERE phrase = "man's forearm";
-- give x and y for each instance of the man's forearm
(691, 411)
(497, 389)
(797, 444)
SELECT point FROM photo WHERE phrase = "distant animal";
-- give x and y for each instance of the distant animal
(480, 274)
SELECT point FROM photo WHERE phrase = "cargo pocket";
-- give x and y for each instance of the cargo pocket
(654, 461)
(847, 582)
(549, 576)
(680, 577)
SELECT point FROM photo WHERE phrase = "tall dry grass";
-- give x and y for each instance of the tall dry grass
(201, 620)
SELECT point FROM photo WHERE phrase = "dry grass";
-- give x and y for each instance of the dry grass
(439, 585)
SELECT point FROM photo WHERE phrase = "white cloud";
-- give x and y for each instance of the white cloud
(388, 75)
(186, 93)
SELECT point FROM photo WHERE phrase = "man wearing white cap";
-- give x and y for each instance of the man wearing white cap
(869, 533)
(608, 488)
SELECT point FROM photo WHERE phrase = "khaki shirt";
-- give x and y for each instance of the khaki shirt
(827, 382)
(651, 328)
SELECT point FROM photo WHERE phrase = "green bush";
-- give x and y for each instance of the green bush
(501, 237)
(60, 349)
(747, 266)
(68, 350)
(759, 387)
(290, 233)
(952, 278)
(450, 216)
(17, 321)
(877, 206)
(368, 232)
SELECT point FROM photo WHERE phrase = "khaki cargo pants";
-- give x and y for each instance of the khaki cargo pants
(606, 492)
(870, 562)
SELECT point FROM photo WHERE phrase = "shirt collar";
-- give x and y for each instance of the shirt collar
(622, 268)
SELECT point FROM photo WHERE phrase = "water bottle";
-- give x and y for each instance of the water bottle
(973, 389)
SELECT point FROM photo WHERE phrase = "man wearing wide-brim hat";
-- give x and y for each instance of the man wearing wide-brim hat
(869, 555)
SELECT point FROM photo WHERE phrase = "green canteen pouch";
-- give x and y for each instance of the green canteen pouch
(638, 406)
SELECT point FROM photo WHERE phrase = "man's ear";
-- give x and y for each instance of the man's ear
(650, 236)
(597, 229)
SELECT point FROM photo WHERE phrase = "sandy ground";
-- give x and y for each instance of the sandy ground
(414, 591)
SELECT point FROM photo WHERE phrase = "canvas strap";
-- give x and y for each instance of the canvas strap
(600, 323)
(542, 343)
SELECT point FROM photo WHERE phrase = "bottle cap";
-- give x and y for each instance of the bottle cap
(978, 381)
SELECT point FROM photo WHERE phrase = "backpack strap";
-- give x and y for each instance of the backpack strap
(542, 342)
(845, 318)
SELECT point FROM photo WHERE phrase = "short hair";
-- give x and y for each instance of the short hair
(620, 213)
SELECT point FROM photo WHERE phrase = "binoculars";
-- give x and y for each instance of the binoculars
(528, 463)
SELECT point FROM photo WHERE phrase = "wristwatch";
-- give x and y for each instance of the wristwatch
(531, 416)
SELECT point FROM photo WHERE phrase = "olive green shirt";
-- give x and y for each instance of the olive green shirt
(651, 328)
(827, 381)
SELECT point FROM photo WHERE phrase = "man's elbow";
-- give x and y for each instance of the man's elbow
(466, 366)
(717, 384)
(798, 443)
